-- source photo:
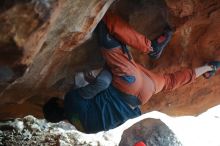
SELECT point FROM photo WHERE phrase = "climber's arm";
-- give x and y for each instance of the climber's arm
(102, 82)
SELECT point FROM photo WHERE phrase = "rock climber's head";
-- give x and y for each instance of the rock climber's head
(53, 110)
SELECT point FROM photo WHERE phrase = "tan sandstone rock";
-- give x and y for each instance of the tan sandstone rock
(43, 49)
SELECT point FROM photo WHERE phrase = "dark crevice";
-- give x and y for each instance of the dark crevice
(10, 68)
(10, 53)
(7, 4)
(142, 14)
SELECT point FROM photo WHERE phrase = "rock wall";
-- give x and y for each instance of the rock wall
(32, 131)
(43, 46)
(152, 132)
(195, 42)
(153, 128)
(43, 43)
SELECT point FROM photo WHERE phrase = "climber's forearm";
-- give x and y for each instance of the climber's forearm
(102, 82)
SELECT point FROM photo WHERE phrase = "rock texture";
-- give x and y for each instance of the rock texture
(152, 132)
(43, 43)
(196, 41)
(153, 128)
(185, 130)
(32, 131)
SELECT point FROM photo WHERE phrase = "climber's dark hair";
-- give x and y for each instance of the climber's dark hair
(53, 112)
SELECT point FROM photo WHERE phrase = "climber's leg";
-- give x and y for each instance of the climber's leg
(177, 79)
(170, 81)
(160, 43)
(126, 76)
(127, 35)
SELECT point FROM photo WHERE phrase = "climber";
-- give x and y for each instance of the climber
(115, 95)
